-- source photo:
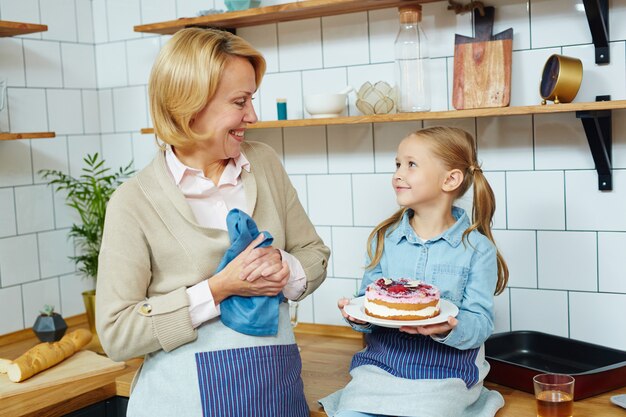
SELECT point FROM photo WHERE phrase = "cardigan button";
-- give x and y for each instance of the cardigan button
(146, 309)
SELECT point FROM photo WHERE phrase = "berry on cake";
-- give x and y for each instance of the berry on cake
(401, 299)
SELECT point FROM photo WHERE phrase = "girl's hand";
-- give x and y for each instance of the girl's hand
(341, 303)
(440, 329)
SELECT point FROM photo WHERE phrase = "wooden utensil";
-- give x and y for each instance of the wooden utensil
(482, 65)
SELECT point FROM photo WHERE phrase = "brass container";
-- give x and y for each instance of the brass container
(89, 298)
(561, 79)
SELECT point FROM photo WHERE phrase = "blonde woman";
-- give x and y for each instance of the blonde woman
(435, 370)
(158, 292)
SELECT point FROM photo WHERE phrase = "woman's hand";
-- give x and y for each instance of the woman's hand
(231, 280)
(264, 263)
(341, 303)
(440, 329)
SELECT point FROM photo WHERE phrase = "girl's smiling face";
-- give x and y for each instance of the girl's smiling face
(229, 112)
(419, 175)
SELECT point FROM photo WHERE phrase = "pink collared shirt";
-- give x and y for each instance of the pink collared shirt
(210, 205)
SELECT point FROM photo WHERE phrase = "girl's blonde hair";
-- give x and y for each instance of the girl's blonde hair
(457, 150)
(185, 77)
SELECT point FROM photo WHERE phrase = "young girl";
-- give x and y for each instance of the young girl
(435, 370)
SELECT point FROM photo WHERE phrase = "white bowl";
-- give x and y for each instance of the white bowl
(325, 105)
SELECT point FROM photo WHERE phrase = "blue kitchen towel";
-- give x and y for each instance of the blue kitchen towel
(258, 315)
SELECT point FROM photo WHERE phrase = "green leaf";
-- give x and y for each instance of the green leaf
(88, 195)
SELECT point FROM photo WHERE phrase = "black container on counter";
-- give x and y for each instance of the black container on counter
(516, 357)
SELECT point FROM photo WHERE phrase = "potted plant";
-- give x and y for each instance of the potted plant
(49, 326)
(88, 195)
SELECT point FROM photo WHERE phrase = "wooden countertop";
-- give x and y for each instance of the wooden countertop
(326, 354)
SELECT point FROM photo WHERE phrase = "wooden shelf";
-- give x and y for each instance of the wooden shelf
(439, 115)
(272, 14)
(27, 135)
(8, 28)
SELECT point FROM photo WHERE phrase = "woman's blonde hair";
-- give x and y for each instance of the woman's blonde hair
(185, 77)
(457, 150)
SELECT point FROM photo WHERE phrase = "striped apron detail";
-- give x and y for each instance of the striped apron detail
(260, 381)
(416, 357)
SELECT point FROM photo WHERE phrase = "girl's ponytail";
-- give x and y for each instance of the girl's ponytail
(483, 210)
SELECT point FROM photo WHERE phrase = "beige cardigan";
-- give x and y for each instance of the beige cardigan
(153, 249)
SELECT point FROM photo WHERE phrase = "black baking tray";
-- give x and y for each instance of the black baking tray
(516, 357)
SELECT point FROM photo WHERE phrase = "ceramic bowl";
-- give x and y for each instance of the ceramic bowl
(325, 105)
(234, 5)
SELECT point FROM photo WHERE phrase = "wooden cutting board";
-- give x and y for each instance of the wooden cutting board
(81, 365)
(482, 66)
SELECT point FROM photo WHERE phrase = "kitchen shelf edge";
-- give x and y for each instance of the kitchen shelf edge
(10, 28)
(27, 135)
(272, 14)
(439, 115)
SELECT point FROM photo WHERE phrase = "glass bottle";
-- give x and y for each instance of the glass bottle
(412, 62)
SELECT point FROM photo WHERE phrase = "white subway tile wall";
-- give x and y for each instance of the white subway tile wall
(42, 60)
(539, 310)
(300, 45)
(27, 109)
(611, 262)
(65, 111)
(84, 21)
(54, 251)
(61, 20)
(8, 225)
(502, 309)
(37, 294)
(337, 32)
(33, 206)
(86, 78)
(305, 150)
(506, 143)
(588, 309)
(79, 65)
(11, 309)
(519, 249)
(12, 62)
(71, 287)
(49, 154)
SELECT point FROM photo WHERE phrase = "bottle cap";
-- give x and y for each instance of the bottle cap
(281, 100)
(410, 14)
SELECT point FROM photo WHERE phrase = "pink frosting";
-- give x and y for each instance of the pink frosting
(414, 292)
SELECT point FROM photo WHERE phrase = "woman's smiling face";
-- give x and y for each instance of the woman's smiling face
(230, 110)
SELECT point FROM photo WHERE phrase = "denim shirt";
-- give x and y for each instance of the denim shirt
(464, 271)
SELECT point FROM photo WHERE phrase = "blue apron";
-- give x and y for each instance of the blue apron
(261, 381)
(224, 373)
(416, 357)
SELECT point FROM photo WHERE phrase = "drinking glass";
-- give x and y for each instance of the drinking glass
(3, 92)
(4, 120)
(554, 394)
(293, 313)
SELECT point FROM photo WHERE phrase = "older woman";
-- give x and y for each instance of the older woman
(158, 292)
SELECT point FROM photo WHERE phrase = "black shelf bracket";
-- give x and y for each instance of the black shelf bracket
(597, 125)
(597, 12)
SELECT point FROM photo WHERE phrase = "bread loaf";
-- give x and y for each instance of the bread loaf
(3, 365)
(45, 355)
